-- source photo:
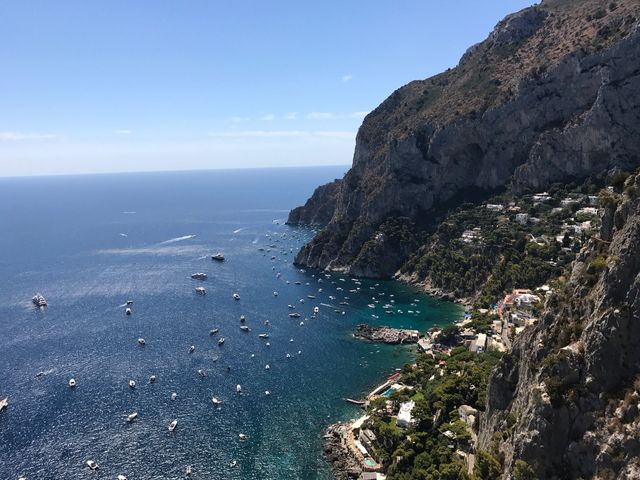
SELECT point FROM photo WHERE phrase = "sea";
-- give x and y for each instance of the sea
(90, 243)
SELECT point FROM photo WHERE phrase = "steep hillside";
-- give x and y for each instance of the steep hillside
(552, 94)
(565, 402)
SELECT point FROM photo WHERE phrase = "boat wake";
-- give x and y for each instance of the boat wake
(177, 239)
(239, 230)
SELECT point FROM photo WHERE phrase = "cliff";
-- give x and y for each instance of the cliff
(552, 94)
(564, 402)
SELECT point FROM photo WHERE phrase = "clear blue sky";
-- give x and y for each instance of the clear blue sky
(123, 85)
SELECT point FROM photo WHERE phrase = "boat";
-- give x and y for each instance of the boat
(232, 464)
(219, 257)
(221, 341)
(152, 379)
(213, 331)
(244, 328)
(263, 335)
(188, 471)
(275, 294)
(174, 395)
(127, 311)
(311, 296)
(201, 373)
(141, 341)
(294, 315)
(121, 477)
(215, 401)
(298, 283)
(238, 389)
(39, 301)
(242, 318)
(72, 383)
(266, 322)
(199, 276)
(172, 425)
(192, 348)
(132, 417)
(316, 309)
(200, 290)
(288, 355)
(132, 384)
(4, 403)
(236, 296)
(92, 465)
(129, 302)
(267, 367)
(290, 306)
(267, 392)
(242, 437)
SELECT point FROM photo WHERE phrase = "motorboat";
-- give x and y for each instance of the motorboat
(220, 340)
(174, 395)
(131, 417)
(263, 335)
(311, 296)
(215, 401)
(267, 392)
(267, 367)
(92, 465)
(39, 300)
(188, 470)
(129, 302)
(266, 322)
(236, 296)
(201, 373)
(219, 257)
(294, 315)
(152, 379)
(213, 331)
(242, 318)
(72, 383)
(132, 384)
(127, 311)
(233, 464)
(302, 324)
(172, 425)
(4, 403)
(141, 341)
(242, 437)
(290, 306)
(316, 310)
(275, 294)
(199, 276)
(244, 328)
(192, 348)
(238, 389)
(200, 290)
(121, 477)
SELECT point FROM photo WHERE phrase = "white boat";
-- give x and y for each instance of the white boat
(132, 384)
(266, 322)
(201, 373)
(244, 328)
(290, 306)
(188, 471)
(215, 401)
(127, 311)
(233, 463)
(213, 331)
(316, 310)
(221, 341)
(4, 403)
(174, 395)
(238, 389)
(267, 367)
(294, 315)
(302, 324)
(236, 296)
(72, 383)
(267, 392)
(218, 257)
(131, 417)
(121, 477)
(129, 302)
(242, 318)
(263, 335)
(141, 341)
(199, 276)
(92, 465)
(242, 437)
(200, 290)
(39, 301)
(192, 349)
(275, 294)
(311, 296)
(152, 379)
(172, 425)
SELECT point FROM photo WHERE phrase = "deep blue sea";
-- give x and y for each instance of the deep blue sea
(89, 243)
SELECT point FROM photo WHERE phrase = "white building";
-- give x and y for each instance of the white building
(541, 197)
(404, 415)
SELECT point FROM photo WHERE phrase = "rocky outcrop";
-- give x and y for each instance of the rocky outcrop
(553, 94)
(565, 401)
(386, 334)
(343, 463)
(319, 208)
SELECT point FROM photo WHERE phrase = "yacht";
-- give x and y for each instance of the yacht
(242, 437)
(132, 417)
(200, 290)
(132, 384)
(72, 383)
(275, 294)
(199, 276)
(316, 310)
(174, 395)
(221, 341)
(218, 257)
(141, 341)
(294, 315)
(267, 367)
(188, 471)
(263, 335)
(238, 389)
(92, 465)
(236, 296)
(267, 392)
(152, 379)
(213, 331)
(192, 348)
(127, 311)
(121, 477)
(39, 301)
(4, 403)
(172, 425)
(215, 401)
(244, 328)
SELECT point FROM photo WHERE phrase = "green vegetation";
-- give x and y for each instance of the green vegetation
(427, 450)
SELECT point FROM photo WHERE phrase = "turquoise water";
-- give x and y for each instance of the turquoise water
(89, 243)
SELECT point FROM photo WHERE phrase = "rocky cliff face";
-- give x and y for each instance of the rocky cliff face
(565, 401)
(552, 94)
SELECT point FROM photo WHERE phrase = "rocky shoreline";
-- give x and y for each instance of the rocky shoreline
(343, 465)
(392, 336)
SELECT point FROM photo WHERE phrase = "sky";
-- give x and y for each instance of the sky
(120, 85)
